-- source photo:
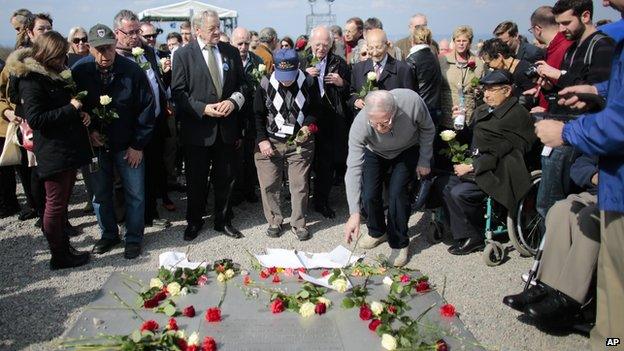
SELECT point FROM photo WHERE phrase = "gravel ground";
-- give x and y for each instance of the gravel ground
(38, 305)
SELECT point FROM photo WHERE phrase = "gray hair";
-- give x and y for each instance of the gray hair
(74, 31)
(336, 30)
(124, 15)
(267, 35)
(315, 31)
(380, 100)
(199, 18)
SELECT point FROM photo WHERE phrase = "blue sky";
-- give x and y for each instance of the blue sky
(288, 16)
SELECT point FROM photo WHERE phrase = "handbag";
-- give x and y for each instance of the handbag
(11, 154)
(27, 136)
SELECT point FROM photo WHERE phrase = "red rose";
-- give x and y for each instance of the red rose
(161, 295)
(441, 345)
(277, 306)
(209, 344)
(164, 289)
(272, 270)
(264, 274)
(392, 309)
(471, 64)
(220, 268)
(313, 128)
(365, 312)
(192, 348)
(247, 280)
(189, 311)
(276, 278)
(405, 278)
(202, 280)
(320, 308)
(422, 286)
(172, 325)
(374, 324)
(213, 314)
(181, 344)
(151, 303)
(325, 273)
(150, 325)
(447, 310)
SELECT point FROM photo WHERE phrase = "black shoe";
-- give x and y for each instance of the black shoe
(531, 295)
(325, 210)
(251, 198)
(70, 230)
(27, 214)
(556, 306)
(104, 245)
(192, 231)
(230, 231)
(9, 211)
(456, 245)
(302, 233)
(470, 245)
(132, 250)
(69, 260)
(274, 231)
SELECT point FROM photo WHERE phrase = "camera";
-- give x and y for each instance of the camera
(531, 72)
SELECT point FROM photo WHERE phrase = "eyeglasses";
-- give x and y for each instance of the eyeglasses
(150, 36)
(131, 33)
(381, 125)
(532, 29)
(78, 40)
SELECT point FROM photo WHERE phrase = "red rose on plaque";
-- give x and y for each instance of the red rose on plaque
(272, 270)
(182, 344)
(447, 310)
(213, 314)
(150, 325)
(320, 308)
(247, 280)
(161, 295)
(422, 286)
(264, 274)
(151, 303)
(441, 345)
(192, 348)
(189, 312)
(374, 324)
(172, 324)
(277, 306)
(313, 128)
(405, 278)
(392, 309)
(276, 278)
(202, 280)
(365, 313)
(325, 273)
(209, 344)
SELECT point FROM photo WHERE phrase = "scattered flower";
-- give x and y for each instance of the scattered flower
(264, 274)
(221, 277)
(374, 324)
(320, 308)
(209, 344)
(150, 303)
(189, 311)
(156, 283)
(277, 306)
(388, 342)
(247, 280)
(365, 312)
(276, 278)
(392, 309)
(229, 273)
(325, 273)
(447, 310)
(202, 280)
(423, 286)
(405, 278)
(213, 314)
(441, 345)
(324, 300)
(307, 309)
(376, 307)
(387, 280)
(193, 339)
(172, 324)
(184, 291)
(150, 325)
(340, 285)
(174, 289)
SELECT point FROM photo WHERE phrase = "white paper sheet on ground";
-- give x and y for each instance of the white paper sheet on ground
(322, 281)
(283, 258)
(280, 258)
(173, 259)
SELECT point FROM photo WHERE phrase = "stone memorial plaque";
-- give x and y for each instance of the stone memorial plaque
(248, 324)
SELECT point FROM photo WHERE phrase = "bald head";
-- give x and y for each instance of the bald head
(377, 44)
(241, 38)
(320, 41)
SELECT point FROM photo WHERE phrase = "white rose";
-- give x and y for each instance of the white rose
(137, 51)
(372, 76)
(388, 281)
(376, 307)
(174, 289)
(194, 339)
(448, 135)
(327, 302)
(180, 334)
(221, 277)
(340, 285)
(229, 273)
(184, 291)
(388, 342)
(307, 309)
(66, 74)
(105, 100)
(156, 283)
(163, 61)
(261, 68)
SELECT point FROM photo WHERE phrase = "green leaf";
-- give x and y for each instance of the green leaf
(170, 310)
(404, 342)
(136, 336)
(139, 301)
(348, 303)
(304, 294)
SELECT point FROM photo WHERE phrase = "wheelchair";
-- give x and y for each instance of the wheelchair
(523, 225)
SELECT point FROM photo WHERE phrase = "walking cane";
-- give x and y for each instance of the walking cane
(538, 256)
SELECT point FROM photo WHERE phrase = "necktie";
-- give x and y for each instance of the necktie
(378, 69)
(214, 70)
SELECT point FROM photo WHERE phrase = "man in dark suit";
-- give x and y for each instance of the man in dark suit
(508, 32)
(390, 73)
(207, 83)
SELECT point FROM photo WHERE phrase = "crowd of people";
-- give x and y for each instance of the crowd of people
(338, 106)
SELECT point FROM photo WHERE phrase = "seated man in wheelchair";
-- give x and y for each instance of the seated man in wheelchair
(503, 133)
(570, 253)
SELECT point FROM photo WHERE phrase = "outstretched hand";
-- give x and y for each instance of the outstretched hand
(352, 228)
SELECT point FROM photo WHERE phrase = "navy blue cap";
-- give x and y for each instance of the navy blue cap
(286, 65)
(497, 76)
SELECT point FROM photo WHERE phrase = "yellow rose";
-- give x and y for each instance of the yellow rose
(327, 302)
(261, 68)
(448, 135)
(66, 74)
(340, 285)
(372, 76)
(376, 307)
(307, 309)
(156, 283)
(137, 51)
(388, 342)
(221, 277)
(174, 289)
(105, 100)
(229, 273)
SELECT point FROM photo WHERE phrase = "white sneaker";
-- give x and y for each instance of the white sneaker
(368, 242)
(399, 257)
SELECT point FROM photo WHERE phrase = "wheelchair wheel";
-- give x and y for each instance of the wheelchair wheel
(494, 253)
(525, 225)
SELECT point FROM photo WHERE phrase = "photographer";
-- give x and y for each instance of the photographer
(587, 61)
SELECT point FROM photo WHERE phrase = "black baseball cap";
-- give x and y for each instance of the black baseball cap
(101, 35)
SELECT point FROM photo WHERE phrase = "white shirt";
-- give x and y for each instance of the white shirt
(217, 55)
(151, 76)
(321, 77)
(382, 63)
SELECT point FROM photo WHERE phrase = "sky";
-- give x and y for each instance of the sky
(288, 17)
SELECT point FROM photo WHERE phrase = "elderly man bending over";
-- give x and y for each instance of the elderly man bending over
(391, 137)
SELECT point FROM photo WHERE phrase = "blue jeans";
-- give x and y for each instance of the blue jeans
(555, 183)
(134, 194)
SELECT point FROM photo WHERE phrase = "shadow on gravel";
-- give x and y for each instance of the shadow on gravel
(554, 330)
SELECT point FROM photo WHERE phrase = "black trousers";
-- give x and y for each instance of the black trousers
(8, 186)
(323, 167)
(199, 159)
(246, 174)
(399, 172)
(464, 202)
(155, 176)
